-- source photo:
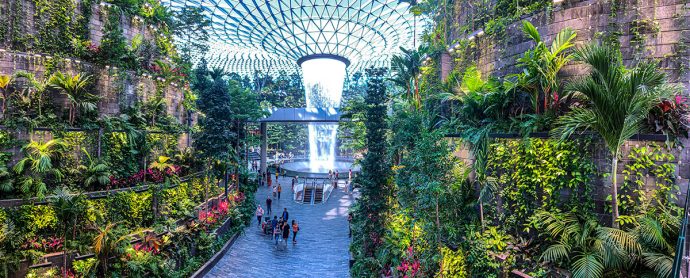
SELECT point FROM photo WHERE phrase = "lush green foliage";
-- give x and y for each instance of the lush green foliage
(369, 215)
(533, 174)
(529, 204)
(619, 100)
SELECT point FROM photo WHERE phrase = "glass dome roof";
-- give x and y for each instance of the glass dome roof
(271, 35)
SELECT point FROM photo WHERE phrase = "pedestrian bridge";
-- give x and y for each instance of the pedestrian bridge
(302, 115)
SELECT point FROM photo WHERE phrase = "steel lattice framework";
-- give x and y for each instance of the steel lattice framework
(271, 35)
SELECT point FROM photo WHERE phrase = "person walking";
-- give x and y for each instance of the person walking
(285, 215)
(349, 175)
(280, 189)
(286, 232)
(277, 172)
(276, 229)
(295, 229)
(259, 213)
(269, 201)
(349, 224)
(294, 180)
(336, 174)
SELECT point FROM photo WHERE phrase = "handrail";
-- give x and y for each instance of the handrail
(546, 135)
(680, 245)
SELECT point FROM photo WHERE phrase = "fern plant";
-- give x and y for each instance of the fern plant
(583, 246)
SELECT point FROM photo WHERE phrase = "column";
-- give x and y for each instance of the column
(264, 145)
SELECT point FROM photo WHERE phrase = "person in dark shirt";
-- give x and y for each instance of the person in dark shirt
(274, 222)
(269, 201)
(286, 231)
(285, 215)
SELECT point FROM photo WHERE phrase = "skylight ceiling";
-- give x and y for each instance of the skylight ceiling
(270, 36)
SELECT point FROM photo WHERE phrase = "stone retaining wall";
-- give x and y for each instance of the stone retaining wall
(116, 87)
(664, 33)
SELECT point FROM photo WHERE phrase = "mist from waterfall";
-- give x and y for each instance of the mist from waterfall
(323, 84)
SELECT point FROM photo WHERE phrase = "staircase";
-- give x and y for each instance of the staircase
(318, 195)
(308, 193)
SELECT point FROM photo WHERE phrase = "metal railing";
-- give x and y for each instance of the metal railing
(680, 262)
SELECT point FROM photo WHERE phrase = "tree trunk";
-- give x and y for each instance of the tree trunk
(481, 213)
(64, 254)
(614, 190)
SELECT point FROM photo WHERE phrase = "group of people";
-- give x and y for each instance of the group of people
(279, 228)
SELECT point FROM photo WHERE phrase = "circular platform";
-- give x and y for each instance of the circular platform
(302, 169)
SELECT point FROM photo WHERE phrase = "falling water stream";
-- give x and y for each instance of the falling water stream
(323, 84)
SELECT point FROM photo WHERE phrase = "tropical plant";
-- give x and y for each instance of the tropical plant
(67, 207)
(74, 88)
(108, 243)
(29, 99)
(586, 248)
(95, 171)
(656, 231)
(543, 63)
(155, 108)
(618, 100)
(39, 164)
(5, 81)
(406, 69)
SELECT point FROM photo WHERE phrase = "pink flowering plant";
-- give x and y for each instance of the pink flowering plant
(48, 245)
(409, 266)
(151, 175)
(213, 216)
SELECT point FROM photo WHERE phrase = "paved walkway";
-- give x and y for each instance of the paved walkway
(322, 248)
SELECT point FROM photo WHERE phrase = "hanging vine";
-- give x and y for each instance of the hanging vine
(55, 22)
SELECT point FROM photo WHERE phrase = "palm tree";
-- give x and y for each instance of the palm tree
(67, 207)
(74, 88)
(31, 96)
(107, 244)
(95, 171)
(5, 81)
(162, 165)
(155, 107)
(37, 165)
(618, 100)
(406, 67)
(587, 248)
(543, 63)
